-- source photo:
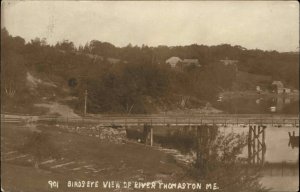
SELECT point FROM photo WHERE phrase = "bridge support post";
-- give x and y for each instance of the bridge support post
(151, 136)
(249, 144)
(148, 134)
(264, 144)
(201, 160)
(256, 144)
(205, 135)
(67, 122)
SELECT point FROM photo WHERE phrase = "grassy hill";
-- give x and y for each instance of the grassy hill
(249, 81)
(130, 79)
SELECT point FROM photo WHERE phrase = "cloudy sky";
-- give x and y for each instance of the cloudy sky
(266, 25)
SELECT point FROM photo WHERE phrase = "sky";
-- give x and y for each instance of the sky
(266, 25)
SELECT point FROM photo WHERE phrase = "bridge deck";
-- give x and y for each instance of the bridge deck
(156, 120)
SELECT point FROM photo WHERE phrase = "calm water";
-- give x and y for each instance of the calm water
(286, 105)
(277, 151)
(277, 140)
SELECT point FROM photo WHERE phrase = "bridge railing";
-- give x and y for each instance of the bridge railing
(174, 122)
(159, 120)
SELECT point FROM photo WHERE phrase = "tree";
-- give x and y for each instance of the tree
(225, 168)
(66, 45)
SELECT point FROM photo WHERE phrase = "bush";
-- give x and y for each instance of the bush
(227, 169)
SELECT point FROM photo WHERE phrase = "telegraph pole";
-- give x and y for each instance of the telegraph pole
(85, 99)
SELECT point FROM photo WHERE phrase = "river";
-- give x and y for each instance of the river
(259, 105)
(281, 159)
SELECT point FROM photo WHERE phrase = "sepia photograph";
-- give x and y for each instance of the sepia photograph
(154, 96)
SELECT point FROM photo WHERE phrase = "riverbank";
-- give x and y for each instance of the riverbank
(253, 94)
(78, 157)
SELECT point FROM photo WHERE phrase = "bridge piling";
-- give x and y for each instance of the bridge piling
(256, 144)
(264, 144)
(151, 136)
(205, 135)
(249, 144)
(201, 143)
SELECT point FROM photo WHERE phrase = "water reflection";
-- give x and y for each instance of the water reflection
(276, 140)
(280, 158)
(184, 139)
(293, 140)
(242, 105)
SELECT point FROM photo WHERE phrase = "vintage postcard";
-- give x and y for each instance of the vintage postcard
(149, 96)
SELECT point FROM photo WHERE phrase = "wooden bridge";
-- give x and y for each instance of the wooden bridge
(165, 120)
(187, 120)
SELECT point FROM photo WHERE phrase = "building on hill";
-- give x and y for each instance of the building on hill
(286, 90)
(279, 88)
(176, 62)
(189, 62)
(113, 60)
(173, 61)
(258, 89)
(278, 85)
(230, 63)
(227, 61)
(110, 60)
(94, 56)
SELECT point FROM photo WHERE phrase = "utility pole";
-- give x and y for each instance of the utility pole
(85, 99)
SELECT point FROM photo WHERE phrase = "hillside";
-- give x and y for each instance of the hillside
(248, 81)
(130, 79)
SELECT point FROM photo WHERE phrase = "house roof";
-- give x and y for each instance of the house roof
(173, 60)
(228, 61)
(277, 83)
(113, 60)
(195, 61)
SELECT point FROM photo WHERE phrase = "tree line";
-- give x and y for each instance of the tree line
(140, 81)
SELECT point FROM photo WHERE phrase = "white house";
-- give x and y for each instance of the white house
(229, 61)
(279, 86)
(172, 61)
